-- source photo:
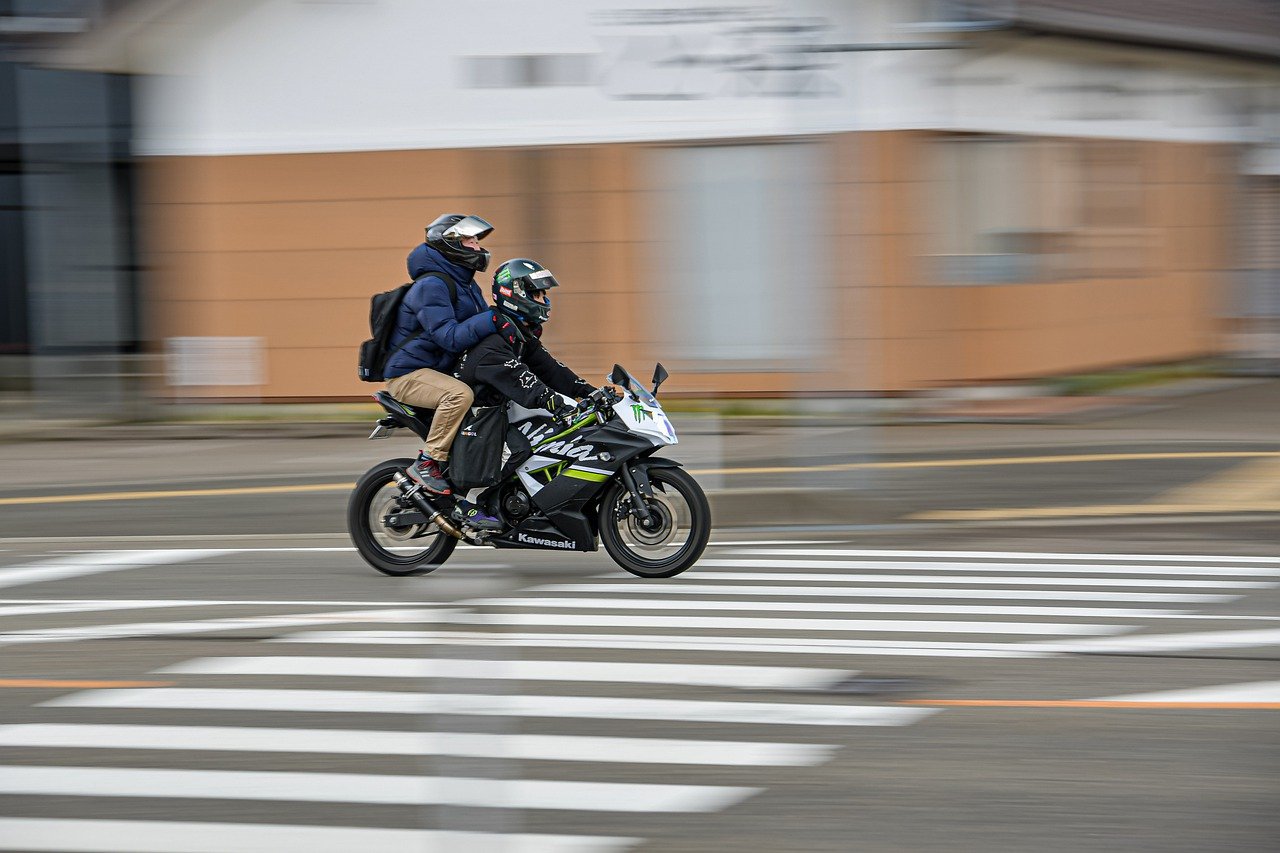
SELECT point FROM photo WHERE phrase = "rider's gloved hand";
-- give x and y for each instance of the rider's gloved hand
(559, 409)
(506, 329)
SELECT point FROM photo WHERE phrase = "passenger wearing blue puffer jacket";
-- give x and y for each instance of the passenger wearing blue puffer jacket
(442, 315)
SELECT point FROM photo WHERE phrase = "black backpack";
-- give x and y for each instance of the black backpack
(383, 308)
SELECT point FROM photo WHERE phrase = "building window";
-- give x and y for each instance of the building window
(522, 71)
(740, 246)
(1014, 210)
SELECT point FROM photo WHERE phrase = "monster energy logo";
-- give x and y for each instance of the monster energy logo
(504, 275)
(640, 412)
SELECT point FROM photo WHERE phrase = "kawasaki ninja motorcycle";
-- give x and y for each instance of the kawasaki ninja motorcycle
(562, 488)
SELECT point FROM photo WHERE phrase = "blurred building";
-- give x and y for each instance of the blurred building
(814, 197)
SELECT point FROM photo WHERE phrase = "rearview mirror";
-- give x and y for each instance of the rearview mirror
(618, 376)
(659, 376)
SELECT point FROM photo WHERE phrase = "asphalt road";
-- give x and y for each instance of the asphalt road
(218, 671)
(818, 750)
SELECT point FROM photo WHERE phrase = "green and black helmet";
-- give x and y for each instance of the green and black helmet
(520, 289)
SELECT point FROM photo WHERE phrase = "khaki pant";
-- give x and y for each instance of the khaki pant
(432, 389)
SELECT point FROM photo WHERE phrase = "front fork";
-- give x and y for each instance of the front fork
(639, 488)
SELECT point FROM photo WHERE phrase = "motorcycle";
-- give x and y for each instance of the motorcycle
(594, 479)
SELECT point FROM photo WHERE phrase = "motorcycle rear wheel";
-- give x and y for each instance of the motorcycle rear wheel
(678, 536)
(396, 551)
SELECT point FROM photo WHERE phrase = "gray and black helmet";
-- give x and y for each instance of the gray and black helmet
(446, 234)
(519, 289)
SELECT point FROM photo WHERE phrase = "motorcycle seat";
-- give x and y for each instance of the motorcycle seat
(413, 418)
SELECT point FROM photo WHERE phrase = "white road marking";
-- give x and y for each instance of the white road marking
(740, 677)
(1253, 691)
(62, 568)
(240, 623)
(686, 642)
(1057, 568)
(808, 607)
(882, 592)
(1186, 642)
(610, 620)
(1016, 555)
(521, 747)
(1005, 580)
(773, 542)
(126, 836)
(361, 788)
(566, 707)
(218, 602)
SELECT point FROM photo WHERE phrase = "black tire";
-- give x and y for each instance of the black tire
(374, 493)
(679, 504)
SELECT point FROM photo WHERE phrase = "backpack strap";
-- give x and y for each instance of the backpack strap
(453, 300)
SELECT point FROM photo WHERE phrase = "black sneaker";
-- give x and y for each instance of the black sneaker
(426, 473)
(474, 517)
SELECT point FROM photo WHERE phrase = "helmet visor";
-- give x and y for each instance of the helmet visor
(541, 280)
(468, 226)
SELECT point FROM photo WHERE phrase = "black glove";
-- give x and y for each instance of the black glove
(559, 409)
(506, 329)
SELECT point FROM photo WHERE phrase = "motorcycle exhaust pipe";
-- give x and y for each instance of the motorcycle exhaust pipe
(434, 516)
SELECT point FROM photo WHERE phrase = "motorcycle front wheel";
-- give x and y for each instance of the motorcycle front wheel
(391, 548)
(677, 532)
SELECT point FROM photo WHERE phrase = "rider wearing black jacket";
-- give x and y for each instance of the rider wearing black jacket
(513, 364)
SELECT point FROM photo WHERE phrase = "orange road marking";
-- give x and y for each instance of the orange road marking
(78, 683)
(1092, 703)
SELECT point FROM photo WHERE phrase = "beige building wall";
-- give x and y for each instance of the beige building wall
(289, 247)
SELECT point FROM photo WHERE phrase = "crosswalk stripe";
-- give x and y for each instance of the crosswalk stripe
(1190, 641)
(817, 607)
(125, 836)
(1253, 691)
(883, 592)
(74, 607)
(366, 788)
(202, 626)
(611, 620)
(1005, 580)
(685, 642)
(1016, 555)
(569, 707)
(78, 565)
(523, 747)
(743, 677)
(1042, 568)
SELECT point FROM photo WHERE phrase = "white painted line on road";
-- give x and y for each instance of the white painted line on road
(1004, 580)
(361, 788)
(816, 607)
(75, 607)
(202, 626)
(63, 568)
(1185, 642)
(127, 836)
(773, 542)
(1252, 691)
(462, 704)
(1015, 555)
(767, 624)
(1057, 568)
(684, 642)
(521, 747)
(611, 620)
(219, 602)
(740, 677)
(680, 588)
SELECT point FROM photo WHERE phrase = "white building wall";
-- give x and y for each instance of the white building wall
(259, 76)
